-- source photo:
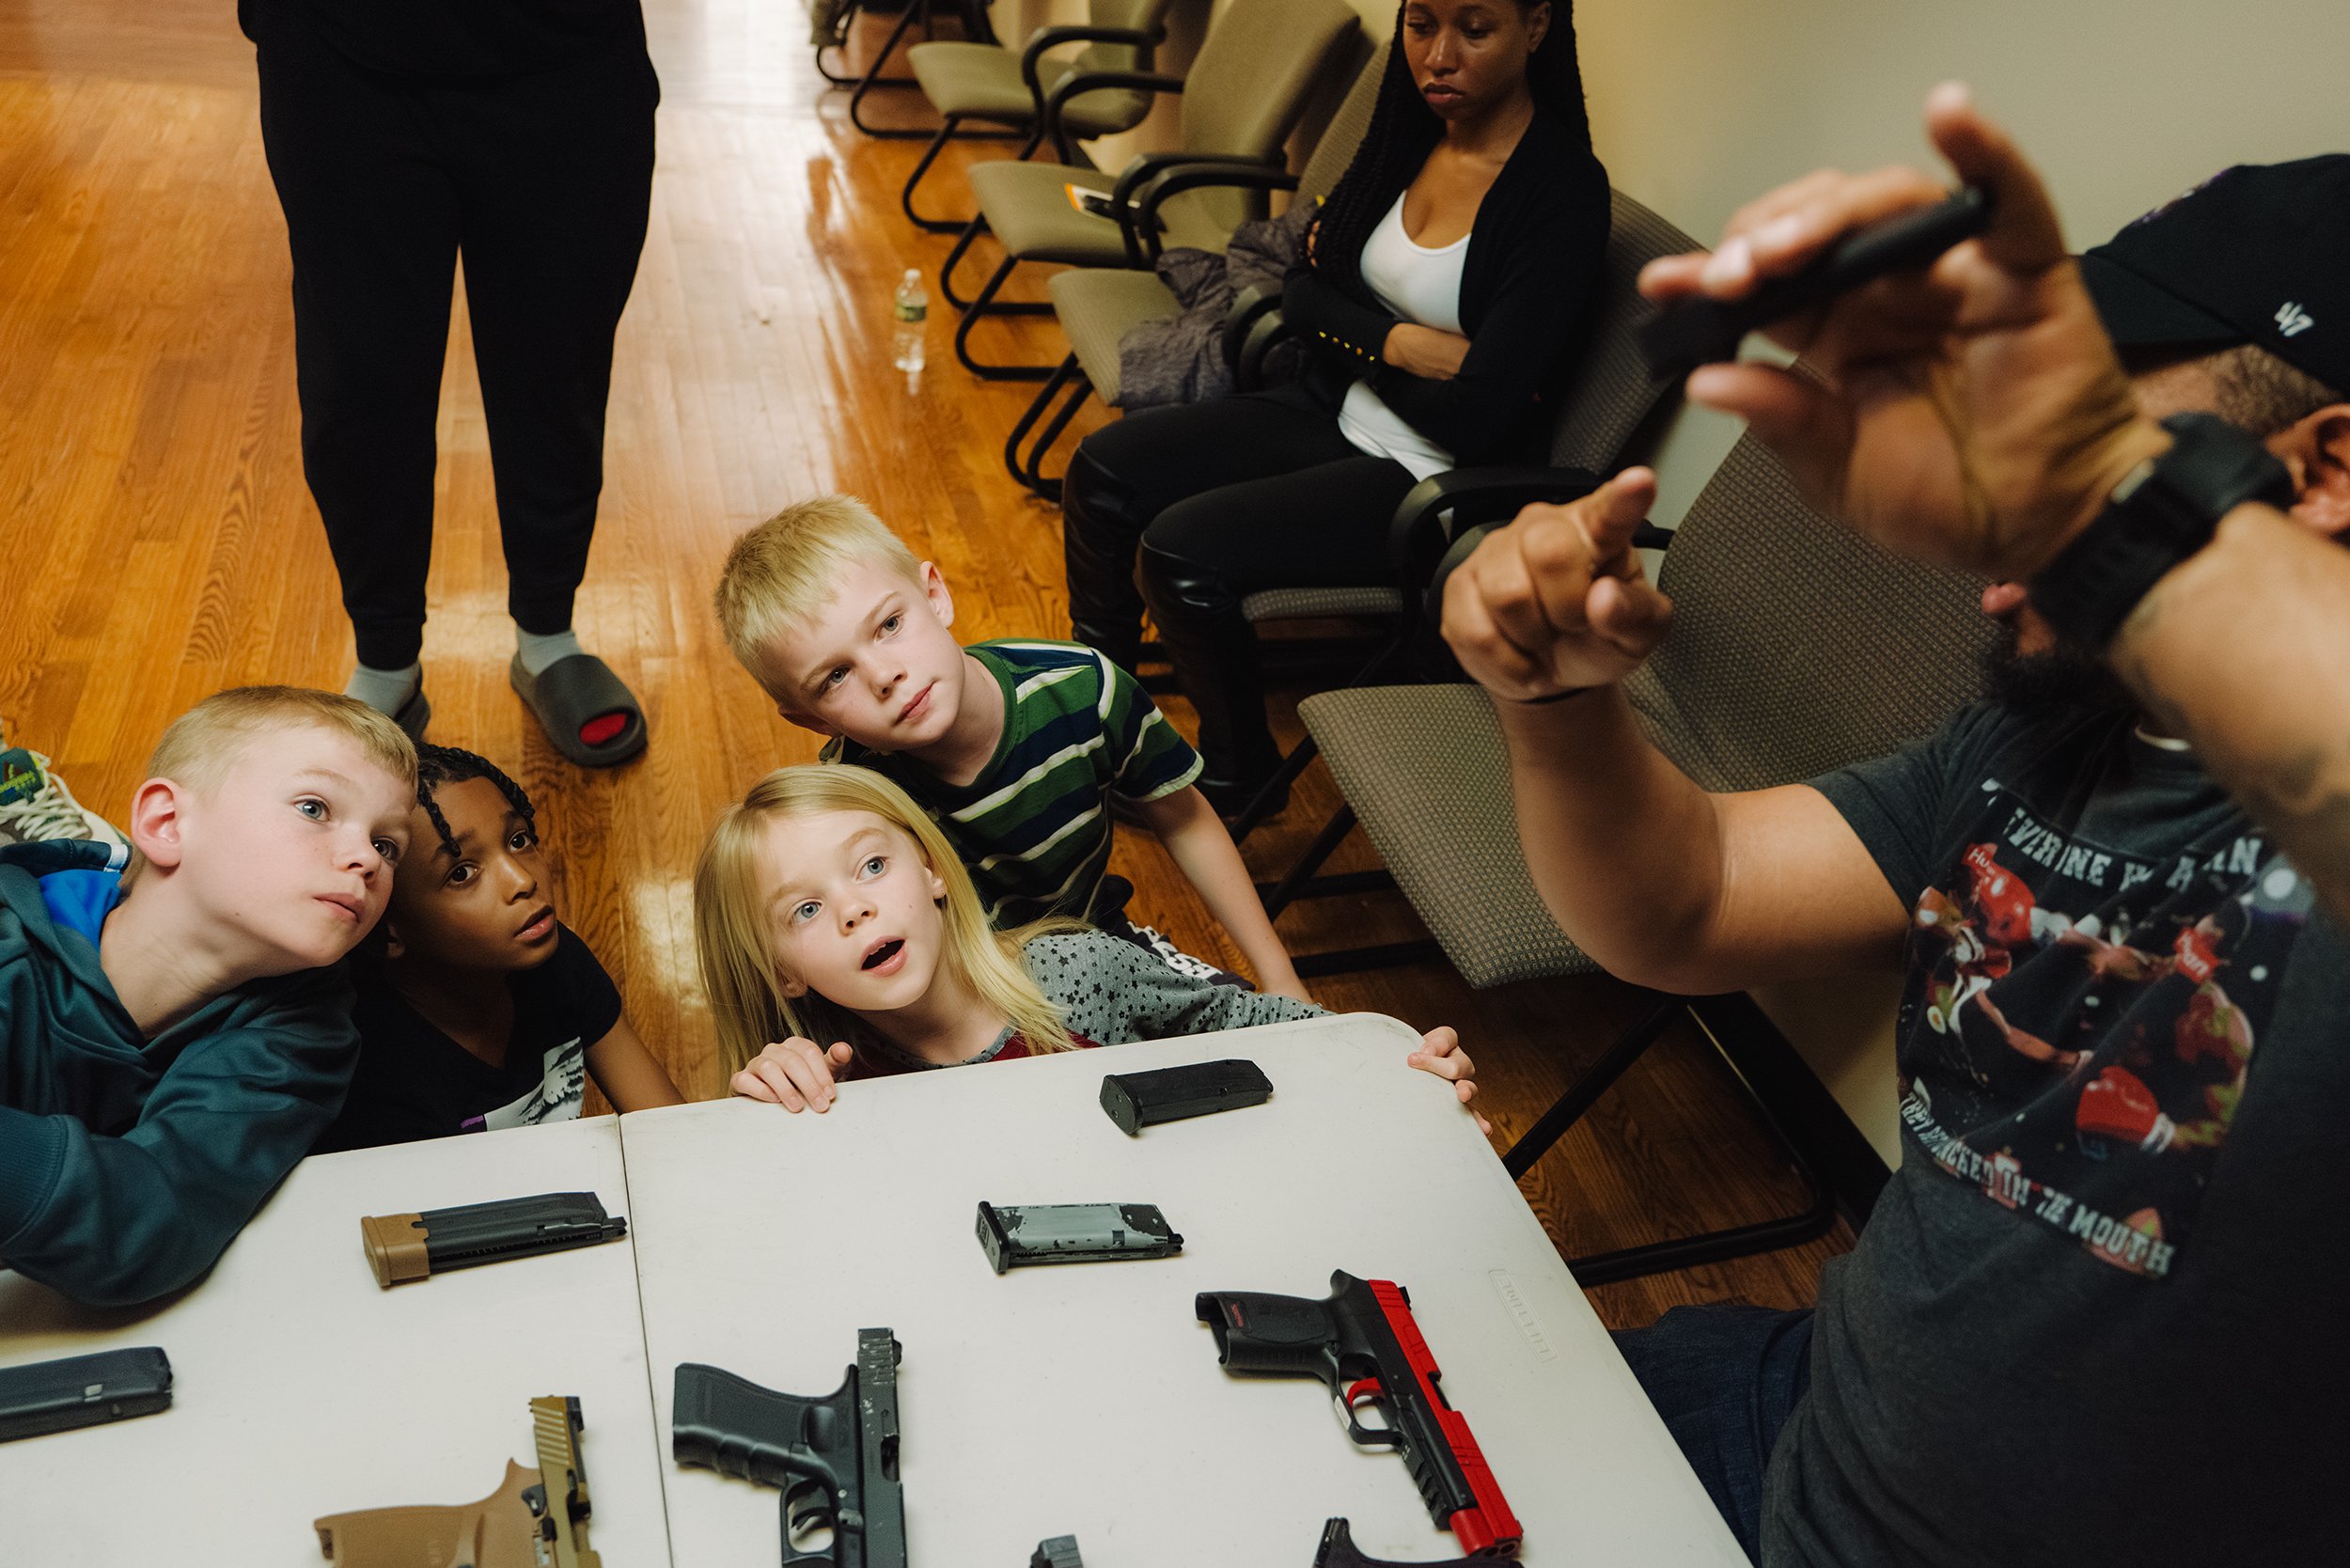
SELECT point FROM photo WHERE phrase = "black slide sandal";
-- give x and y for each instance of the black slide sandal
(414, 714)
(586, 709)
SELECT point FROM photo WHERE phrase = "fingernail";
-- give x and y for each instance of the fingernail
(1730, 263)
(1780, 231)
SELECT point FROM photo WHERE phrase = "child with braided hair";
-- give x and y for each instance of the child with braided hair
(478, 1007)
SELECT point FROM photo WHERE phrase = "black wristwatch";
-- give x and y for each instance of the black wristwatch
(2164, 511)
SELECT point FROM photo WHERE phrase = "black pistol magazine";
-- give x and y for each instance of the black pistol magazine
(410, 1246)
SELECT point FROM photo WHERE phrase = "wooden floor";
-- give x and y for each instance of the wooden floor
(160, 543)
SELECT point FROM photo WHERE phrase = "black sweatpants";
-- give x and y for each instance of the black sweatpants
(1220, 499)
(1260, 490)
(543, 182)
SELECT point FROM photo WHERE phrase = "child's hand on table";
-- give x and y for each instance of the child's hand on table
(1440, 1053)
(797, 1074)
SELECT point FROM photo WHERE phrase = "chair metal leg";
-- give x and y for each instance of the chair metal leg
(982, 305)
(929, 156)
(1348, 961)
(983, 300)
(1265, 802)
(874, 78)
(1268, 800)
(1711, 1246)
(1026, 469)
(839, 78)
(971, 232)
(1585, 1091)
(1284, 892)
(1032, 470)
(951, 131)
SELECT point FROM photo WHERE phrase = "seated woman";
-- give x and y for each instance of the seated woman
(1445, 283)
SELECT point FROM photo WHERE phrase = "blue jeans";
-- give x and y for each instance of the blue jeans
(1725, 1379)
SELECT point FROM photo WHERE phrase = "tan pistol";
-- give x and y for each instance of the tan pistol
(536, 1519)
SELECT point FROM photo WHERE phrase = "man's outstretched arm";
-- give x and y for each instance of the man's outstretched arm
(1659, 881)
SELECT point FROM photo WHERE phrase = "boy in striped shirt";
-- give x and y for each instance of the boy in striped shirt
(1015, 748)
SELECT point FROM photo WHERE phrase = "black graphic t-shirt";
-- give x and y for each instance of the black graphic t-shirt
(416, 1082)
(2098, 1314)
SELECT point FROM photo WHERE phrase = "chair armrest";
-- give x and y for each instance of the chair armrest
(1143, 169)
(1045, 38)
(1145, 200)
(1089, 81)
(1443, 517)
(1251, 327)
(1146, 166)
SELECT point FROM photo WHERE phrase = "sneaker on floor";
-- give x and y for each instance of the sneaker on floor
(1182, 962)
(35, 806)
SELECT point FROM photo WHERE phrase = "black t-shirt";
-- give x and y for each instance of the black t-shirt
(416, 1082)
(451, 38)
(2097, 1317)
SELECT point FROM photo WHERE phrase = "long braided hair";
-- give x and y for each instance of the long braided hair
(437, 765)
(1405, 130)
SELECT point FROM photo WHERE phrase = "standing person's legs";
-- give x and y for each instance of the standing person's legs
(556, 172)
(1126, 474)
(372, 219)
(1323, 526)
(1725, 1379)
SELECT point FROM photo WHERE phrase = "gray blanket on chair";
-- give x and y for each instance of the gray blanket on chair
(1179, 358)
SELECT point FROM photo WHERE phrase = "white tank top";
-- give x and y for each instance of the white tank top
(1418, 285)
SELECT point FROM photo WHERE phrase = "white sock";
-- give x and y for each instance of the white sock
(538, 652)
(386, 691)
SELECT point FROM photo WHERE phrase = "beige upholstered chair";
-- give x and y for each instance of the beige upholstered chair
(1795, 648)
(1253, 75)
(1002, 87)
(1098, 306)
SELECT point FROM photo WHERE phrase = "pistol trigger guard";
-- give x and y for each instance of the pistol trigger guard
(808, 1504)
(1362, 1391)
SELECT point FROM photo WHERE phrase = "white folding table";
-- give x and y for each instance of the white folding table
(1085, 1399)
(302, 1389)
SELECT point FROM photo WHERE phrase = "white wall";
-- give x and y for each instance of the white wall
(1698, 105)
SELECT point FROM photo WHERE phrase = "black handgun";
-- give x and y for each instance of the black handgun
(1700, 329)
(1362, 1342)
(835, 1458)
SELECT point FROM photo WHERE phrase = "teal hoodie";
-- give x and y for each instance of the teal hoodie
(128, 1164)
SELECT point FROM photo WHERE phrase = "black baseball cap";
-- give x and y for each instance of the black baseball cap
(2259, 253)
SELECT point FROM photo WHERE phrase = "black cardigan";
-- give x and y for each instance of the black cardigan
(1527, 284)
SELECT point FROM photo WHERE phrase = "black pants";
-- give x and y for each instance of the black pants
(1219, 500)
(542, 181)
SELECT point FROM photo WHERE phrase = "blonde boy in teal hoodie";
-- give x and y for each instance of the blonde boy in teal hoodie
(174, 1032)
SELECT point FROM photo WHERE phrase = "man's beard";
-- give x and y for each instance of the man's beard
(2066, 678)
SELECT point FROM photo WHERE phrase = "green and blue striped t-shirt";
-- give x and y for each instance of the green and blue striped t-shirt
(1034, 828)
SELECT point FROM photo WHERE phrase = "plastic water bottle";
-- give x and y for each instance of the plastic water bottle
(911, 310)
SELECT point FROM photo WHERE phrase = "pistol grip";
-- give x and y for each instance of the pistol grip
(501, 1528)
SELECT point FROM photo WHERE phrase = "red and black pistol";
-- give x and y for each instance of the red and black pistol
(1362, 1342)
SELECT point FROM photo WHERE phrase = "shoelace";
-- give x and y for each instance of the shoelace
(48, 815)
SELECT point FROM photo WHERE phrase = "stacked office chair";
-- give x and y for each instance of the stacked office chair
(1252, 80)
(1797, 648)
(1027, 89)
